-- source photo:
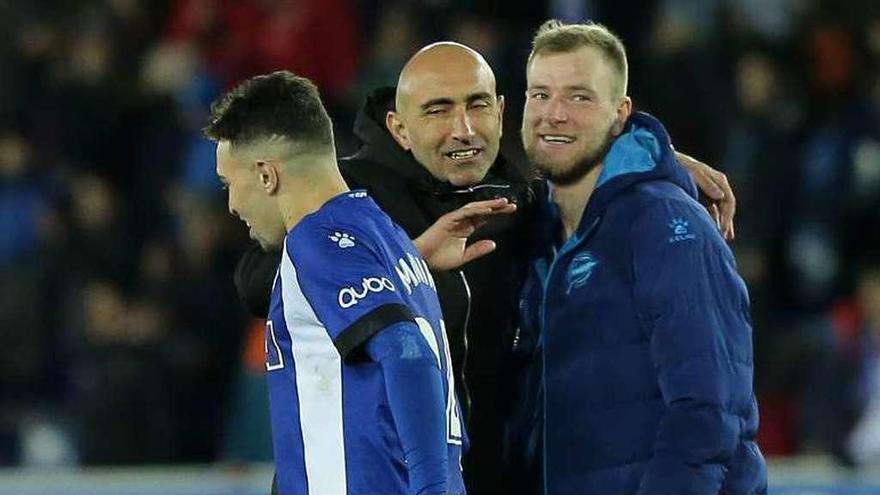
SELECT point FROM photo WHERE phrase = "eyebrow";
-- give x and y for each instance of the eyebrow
(436, 101)
(445, 100)
(479, 96)
(576, 87)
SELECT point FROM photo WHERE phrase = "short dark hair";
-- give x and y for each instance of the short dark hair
(280, 104)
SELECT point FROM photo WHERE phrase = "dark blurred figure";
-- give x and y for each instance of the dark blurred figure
(758, 160)
(28, 336)
(98, 242)
(208, 321)
(685, 76)
(863, 443)
(123, 387)
(819, 225)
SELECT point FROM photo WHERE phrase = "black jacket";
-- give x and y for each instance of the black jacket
(479, 303)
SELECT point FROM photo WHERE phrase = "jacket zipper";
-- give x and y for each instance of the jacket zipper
(473, 189)
(467, 320)
(566, 247)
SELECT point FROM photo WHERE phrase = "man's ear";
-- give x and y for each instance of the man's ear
(398, 129)
(624, 109)
(500, 115)
(267, 175)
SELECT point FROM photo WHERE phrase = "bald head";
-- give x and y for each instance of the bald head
(438, 63)
(447, 112)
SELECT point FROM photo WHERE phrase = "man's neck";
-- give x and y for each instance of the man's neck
(308, 195)
(572, 200)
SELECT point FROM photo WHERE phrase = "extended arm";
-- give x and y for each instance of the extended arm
(416, 399)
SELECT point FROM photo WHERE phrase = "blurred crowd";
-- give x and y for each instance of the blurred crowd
(122, 340)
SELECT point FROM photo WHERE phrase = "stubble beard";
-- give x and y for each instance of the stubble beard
(564, 176)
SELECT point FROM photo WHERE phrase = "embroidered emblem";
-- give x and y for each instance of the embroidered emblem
(342, 239)
(580, 270)
(680, 230)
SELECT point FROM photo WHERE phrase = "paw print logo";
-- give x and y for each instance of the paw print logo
(679, 226)
(342, 239)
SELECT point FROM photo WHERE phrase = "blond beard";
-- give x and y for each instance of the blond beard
(582, 166)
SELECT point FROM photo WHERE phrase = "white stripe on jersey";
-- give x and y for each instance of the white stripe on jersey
(319, 383)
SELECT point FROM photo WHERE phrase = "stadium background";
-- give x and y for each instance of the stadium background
(127, 365)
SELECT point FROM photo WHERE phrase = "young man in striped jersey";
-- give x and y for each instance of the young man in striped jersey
(361, 390)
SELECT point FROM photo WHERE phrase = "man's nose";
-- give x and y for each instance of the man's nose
(556, 112)
(462, 127)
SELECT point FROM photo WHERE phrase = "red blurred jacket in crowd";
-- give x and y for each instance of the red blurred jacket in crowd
(239, 38)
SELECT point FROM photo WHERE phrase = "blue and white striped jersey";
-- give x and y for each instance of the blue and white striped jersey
(347, 271)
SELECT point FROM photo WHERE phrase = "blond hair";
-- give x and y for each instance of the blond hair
(557, 37)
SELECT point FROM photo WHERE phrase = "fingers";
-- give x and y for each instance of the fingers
(708, 184)
(726, 205)
(477, 250)
(710, 180)
(722, 183)
(479, 210)
(728, 208)
(722, 214)
(714, 186)
(716, 215)
(488, 203)
(706, 177)
(494, 206)
(478, 222)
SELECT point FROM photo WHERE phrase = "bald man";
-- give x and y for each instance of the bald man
(429, 147)
(449, 119)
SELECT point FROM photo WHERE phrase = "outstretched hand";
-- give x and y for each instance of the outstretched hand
(444, 245)
(717, 197)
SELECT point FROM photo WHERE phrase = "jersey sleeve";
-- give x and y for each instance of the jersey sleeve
(346, 282)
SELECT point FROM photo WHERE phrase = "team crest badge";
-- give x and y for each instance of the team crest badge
(580, 270)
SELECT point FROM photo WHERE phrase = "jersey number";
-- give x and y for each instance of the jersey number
(453, 419)
(274, 359)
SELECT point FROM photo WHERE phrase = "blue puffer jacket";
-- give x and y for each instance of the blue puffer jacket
(646, 338)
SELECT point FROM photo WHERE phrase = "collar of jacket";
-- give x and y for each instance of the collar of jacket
(379, 147)
(642, 153)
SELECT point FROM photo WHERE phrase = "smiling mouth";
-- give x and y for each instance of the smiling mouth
(462, 155)
(556, 139)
